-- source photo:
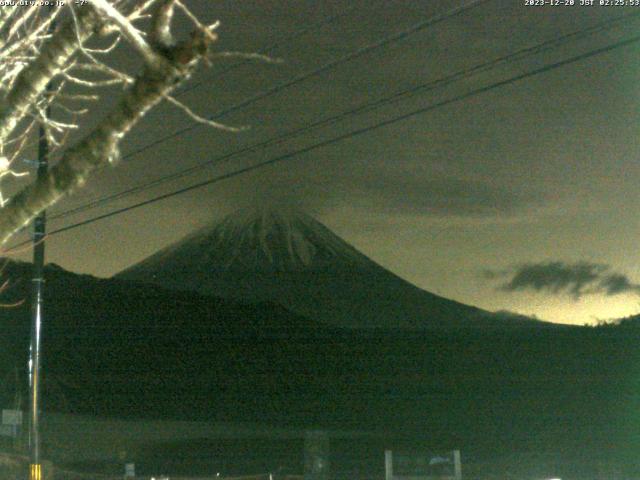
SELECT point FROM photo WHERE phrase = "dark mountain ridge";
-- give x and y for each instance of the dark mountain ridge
(121, 349)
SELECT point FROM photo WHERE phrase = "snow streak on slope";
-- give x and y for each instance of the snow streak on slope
(264, 239)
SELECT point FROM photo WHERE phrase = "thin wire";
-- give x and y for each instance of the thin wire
(351, 56)
(352, 134)
(365, 107)
(395, 37)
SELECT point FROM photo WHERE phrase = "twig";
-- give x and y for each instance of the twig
(199, 119)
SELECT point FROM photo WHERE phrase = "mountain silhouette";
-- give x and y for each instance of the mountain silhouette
(115, 348)
(288, 257)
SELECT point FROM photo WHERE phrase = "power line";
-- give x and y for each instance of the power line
(395, 37)
(363, 108)
(351, 56)
(352, 134)
(285, 40)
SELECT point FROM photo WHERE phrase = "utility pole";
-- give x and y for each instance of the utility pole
(39, 231)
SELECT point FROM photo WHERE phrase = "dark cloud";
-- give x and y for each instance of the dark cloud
(494, 274)
(577, 279)
(392, 191)
(616, 283)
(435, 194)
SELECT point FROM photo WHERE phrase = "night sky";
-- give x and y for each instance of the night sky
(522, 198)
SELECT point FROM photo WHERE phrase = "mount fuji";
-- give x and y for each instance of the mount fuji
(288, 257)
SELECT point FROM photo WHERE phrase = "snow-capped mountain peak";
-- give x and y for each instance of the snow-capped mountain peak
(263, 239)
(288, 257)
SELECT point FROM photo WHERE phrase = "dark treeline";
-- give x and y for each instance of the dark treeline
(118, 349)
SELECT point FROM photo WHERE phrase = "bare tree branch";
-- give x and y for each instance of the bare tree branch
(129, 31)
(205, 121)
(100, 146)
(34, 57)
(161, 24)
(33, 79)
